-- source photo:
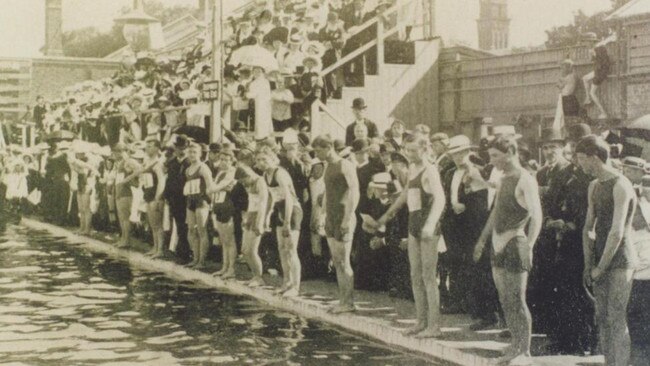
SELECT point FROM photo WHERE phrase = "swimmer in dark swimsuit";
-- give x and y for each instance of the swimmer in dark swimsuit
(514, 225)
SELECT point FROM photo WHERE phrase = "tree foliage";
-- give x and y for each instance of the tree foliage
(90, 42)
(570, 35)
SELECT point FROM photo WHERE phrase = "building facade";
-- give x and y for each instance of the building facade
(493, 25)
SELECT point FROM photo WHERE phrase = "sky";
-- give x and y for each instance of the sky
(22, 24)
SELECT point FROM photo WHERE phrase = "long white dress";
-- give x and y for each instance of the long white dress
(260, 91)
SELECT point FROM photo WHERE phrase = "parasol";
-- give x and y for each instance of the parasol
(254, 55)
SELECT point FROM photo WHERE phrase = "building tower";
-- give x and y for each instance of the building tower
(53, 28)
(493, 25)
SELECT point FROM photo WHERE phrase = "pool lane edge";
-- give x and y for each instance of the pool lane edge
(360, 325)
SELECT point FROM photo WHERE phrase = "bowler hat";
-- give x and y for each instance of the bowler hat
(181, 142)
(214, 147)
(360, 145)
(550, 135)
(359, 103)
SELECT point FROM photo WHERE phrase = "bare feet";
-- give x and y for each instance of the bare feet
(281, 290)
(522, 359)
(228, 275)
(292, 292)
(414, 330)
(192, 264)
(256, 282)
(429, 333)
(509, 353)
(340, 309)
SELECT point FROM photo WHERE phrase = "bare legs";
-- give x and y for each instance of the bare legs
(155, 219)
(197, 235)
(592, 94)
(612, 292)
(123, 206)
(291, 267)
(340, 251)
(511, 287)
(250, 250)
(423, 259)
(229, 249)
(85, 216)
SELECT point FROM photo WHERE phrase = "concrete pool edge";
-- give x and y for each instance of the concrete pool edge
(359, 325)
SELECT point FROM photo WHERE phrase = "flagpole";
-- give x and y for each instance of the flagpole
(217, 69)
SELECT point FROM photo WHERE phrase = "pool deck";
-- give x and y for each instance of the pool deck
(379, 317)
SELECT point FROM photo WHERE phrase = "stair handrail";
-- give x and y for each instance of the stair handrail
(329, 112)
(349, 57)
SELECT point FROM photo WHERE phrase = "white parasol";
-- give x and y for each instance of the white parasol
(256, 56)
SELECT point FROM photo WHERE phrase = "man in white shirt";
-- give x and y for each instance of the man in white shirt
(260, 91)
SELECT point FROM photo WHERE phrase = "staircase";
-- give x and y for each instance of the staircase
(403, 91)
(388, 94)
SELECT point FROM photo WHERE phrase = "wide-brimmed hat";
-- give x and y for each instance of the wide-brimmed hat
(313, 59)
(550, 135)
(505, 130)
(440, 137)
(138, 155)
(459, 143)
(634, 162)
(359, 103)
(295, 39)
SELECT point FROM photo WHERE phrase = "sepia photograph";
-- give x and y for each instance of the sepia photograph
(325, 182)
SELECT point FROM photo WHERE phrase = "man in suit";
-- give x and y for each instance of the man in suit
(335, 79)
(465, 215)
(39, 112)
(353, 16)
(359, 110)
(174, 195)
(541, 276)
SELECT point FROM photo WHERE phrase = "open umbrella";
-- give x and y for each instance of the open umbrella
(61, 135)
(254, 55)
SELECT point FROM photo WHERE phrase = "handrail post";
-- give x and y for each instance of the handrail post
(380, 43)
(316, 121)
(23, 130)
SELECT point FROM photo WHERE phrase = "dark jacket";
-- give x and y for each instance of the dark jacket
(349, 131)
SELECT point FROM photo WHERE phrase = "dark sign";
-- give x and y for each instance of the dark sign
(210, 90)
